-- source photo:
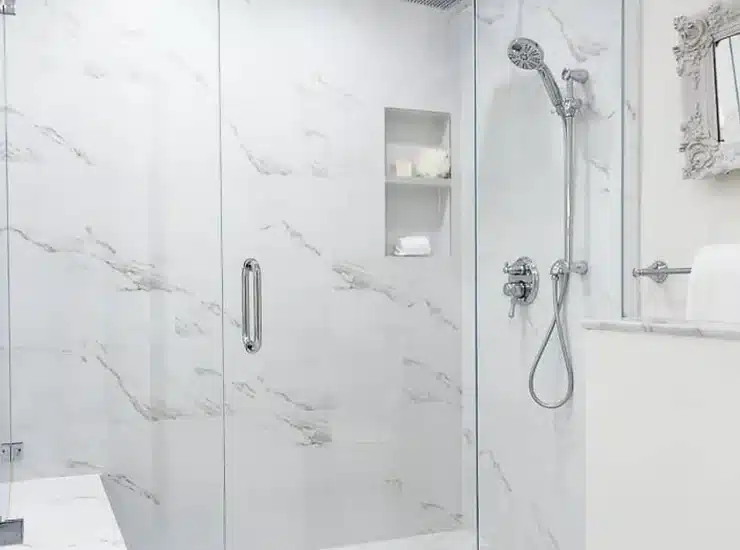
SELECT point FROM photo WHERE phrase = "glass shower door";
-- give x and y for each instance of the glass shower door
(344, 424)
(5, 413)
(113, 237)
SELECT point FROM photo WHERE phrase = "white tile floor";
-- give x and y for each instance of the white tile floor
(74, 512)
(452, 540)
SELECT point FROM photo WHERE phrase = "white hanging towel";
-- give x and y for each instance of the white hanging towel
(714, 285)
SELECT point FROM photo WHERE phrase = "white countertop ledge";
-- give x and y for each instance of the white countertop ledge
(694, 329)
(64, 512)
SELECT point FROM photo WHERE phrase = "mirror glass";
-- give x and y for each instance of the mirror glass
(727, 72)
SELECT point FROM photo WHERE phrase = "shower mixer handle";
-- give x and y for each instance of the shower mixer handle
(512, 308)
(515, 290)
(515, 269)
(523, 283)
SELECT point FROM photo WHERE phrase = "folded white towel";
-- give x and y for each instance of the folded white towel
(413, 246)
(714, 285)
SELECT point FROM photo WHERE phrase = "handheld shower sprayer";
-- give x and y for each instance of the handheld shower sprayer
(528, 55)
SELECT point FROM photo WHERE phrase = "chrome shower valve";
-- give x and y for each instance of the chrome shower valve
(523, 283)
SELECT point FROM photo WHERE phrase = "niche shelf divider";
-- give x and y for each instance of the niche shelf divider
(418, 183)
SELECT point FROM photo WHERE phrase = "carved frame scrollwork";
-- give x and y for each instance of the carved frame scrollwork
(705, 155)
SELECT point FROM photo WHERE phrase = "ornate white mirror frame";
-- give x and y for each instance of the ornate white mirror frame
(706, 155)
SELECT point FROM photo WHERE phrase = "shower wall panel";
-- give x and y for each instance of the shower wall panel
(117, 313)
(532, 459)
(353, 406)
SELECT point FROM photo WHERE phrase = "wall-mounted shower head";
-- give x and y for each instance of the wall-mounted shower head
(526, 54)
(529, 55)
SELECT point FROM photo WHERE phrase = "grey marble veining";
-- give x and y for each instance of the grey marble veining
(296, 236)
(201, 371)
(263, 165)
(319, 85)
(182, 64)
(152, 412)
(357, 279)
(580, 49)
(128, 248)
(52, 135)
(544, 531)
(599, 165)
(314, 433)
(290, 401)
(56, 137)
(141, 276)
(13, 153)
(722, 331)
(428, 385)
(94, 71)
(119, 479)
(245, 388)
(188, 328)
(488, 455)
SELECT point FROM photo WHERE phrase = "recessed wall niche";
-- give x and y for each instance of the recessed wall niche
(418, 183)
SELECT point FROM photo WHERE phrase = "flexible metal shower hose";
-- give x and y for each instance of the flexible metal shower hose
(560, 278)
(558, 303)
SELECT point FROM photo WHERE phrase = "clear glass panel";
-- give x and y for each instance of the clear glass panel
(347, 426)
(6, 472)
(114, 238)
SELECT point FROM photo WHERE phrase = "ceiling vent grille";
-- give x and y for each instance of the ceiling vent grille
(438, 4)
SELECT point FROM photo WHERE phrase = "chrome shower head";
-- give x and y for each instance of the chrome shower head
(526, 54)
(529, 55)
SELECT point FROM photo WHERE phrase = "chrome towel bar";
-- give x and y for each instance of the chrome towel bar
(658, 271)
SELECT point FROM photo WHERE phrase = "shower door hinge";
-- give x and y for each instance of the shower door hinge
(11, 452)
(11, 532)
(7, 7)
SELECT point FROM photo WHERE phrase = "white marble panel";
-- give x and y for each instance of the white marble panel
(531, 464)
(358, 386)
(695, 329)
(348, 426)
(65, 512)
(114, 246)
(452, 540)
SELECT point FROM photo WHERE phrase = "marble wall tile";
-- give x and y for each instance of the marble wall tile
(126, 352)
(531, 464)
(71, 512)
(374, 411)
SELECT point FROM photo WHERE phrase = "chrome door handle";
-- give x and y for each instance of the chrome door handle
(252, 306)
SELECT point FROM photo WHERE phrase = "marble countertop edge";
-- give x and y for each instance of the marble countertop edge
(694, 329)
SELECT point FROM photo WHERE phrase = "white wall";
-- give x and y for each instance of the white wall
(662, 467)
(678, 216)
(347, 426)
(531, 459)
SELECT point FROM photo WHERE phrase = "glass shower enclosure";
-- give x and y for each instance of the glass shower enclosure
(237, 277)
